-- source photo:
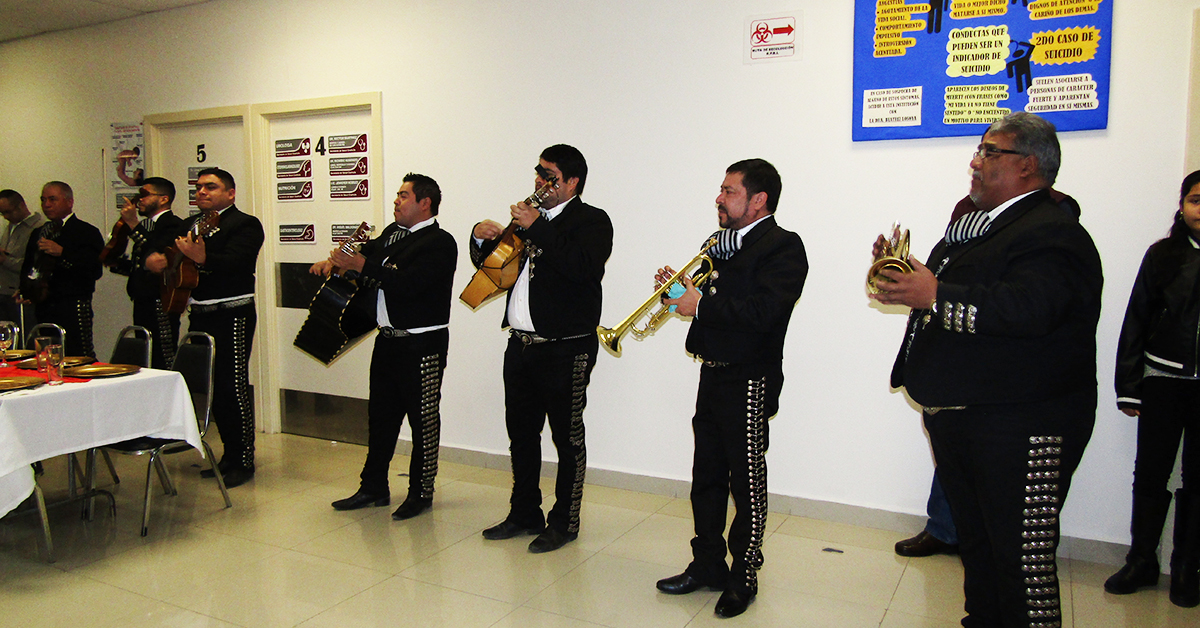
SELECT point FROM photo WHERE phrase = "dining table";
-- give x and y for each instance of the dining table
(41, 421)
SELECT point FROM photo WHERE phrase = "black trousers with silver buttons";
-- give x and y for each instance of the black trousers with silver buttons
(232, 330)
(406, 380)
(547, 383)
(1006, 470)
(733, 404)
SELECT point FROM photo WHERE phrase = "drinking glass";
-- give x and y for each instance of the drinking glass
(8, 335)
(54, 364)
(39, 347)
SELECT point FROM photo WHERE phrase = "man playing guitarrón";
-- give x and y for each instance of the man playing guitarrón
(410, 267)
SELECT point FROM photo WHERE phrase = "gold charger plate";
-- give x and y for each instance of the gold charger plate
(68, 362)
(101, 370)
(18, 354)
(17, 382)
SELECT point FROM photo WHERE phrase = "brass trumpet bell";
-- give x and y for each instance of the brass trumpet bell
(894, 256)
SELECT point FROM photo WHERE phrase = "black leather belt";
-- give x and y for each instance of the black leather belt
(392, 332)
(204, 308)
(713, 363)
(527, 338)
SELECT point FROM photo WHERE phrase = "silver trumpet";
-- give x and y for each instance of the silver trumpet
(894, 256)
(611, 338)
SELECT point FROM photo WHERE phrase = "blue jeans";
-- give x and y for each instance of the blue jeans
(940, 525)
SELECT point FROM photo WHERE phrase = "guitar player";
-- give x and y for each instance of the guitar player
(222, 304)
(410, 266)
(552, 312)
(62, 264)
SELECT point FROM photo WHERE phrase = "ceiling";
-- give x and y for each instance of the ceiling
(26, 18)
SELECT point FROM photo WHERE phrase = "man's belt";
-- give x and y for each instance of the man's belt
(527, 338)
(392, 332)
(932, 410)
(713, 363)
(204, 308)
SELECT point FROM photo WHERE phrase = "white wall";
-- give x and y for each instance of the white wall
(656, 96)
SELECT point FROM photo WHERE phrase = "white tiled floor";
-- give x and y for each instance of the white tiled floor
(282, 557)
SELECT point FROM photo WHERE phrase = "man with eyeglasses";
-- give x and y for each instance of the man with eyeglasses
(1000, 351)
(154, 233)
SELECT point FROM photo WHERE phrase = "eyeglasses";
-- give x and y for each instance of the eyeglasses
(985, 153)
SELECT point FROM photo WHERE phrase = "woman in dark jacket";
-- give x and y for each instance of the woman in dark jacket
(1158, 381)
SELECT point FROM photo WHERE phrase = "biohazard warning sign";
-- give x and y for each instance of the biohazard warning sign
(772, 38)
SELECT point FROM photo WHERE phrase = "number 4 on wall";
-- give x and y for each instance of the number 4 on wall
(320, 145)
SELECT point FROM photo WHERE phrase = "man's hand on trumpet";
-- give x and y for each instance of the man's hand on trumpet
(917, 289)
(686, 304)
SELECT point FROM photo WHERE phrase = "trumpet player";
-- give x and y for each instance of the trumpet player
(551, 312)
(1000, 352)
(739, 320)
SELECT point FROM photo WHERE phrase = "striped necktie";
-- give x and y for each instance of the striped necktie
(399, 233)
(968, 226)
(728, 243)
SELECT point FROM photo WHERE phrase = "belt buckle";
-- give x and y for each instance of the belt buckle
(526, 339)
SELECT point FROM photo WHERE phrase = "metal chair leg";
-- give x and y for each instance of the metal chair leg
(146, 503)
(89, 483)
(111, 469)
(217, 472)
(164, 477)
(74, 474)
(41, 507)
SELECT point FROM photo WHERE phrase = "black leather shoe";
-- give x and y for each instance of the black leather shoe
(507, 529)
(733, 603)
(924, 544)
(361, 500)
(411, 507)
(551, 539)
(681, 584)
(225, 465)
(237, 476)
(1138, 572)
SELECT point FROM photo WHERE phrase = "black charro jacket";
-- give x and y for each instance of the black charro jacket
(568, 256)
(416, 274)
(1162, 320)
(77, 269)
(1016, 313)
(747, 302)
(144, 285)
(230, 255)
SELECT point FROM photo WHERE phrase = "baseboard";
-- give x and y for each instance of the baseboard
(1074, 548)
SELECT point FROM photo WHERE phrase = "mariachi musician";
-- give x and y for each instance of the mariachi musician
(62, 264)
(552, 312)
(222, 304)
(409, 269)
(154, 233)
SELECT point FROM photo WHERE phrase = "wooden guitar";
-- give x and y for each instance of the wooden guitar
(117, 241)
(500, 269)
(339, 313)
(181, 274)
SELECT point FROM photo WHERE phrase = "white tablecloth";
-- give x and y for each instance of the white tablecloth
(53, 420)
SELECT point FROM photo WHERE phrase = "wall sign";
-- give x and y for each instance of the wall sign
(952, 67)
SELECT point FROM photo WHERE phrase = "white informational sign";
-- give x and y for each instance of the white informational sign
(900, 106)
(774, 37)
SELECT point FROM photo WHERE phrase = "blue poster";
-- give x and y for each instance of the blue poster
(951, 67)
